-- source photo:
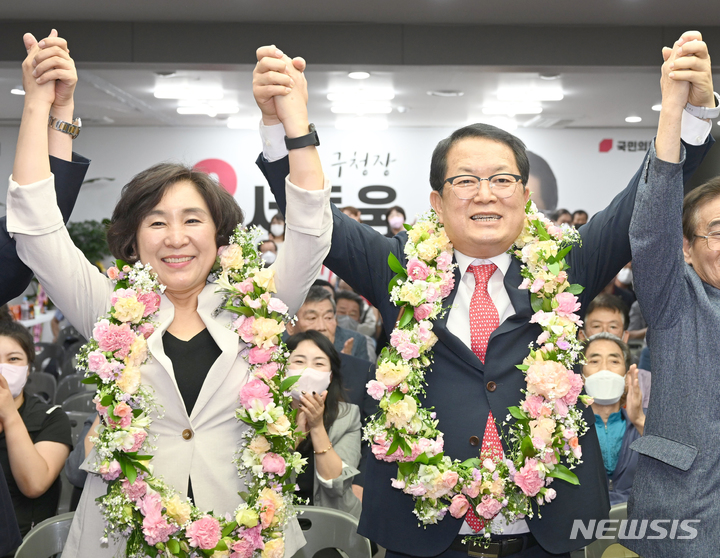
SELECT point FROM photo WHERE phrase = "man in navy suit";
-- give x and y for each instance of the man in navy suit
(462, 389)
(69, 170)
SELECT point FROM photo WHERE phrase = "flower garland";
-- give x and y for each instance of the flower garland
(142, 508)
(547, 424)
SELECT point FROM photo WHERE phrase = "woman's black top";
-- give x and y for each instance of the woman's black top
(305, 480)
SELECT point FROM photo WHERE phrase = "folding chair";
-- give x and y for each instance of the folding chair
(69, 385)
(42, 385)
(329, 528)
(80, 402)
(47, 538)
(48, 357)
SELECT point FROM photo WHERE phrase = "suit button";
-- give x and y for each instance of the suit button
(187, 434)
(474, 441)
(491, 386)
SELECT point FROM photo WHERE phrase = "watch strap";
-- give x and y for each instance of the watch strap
(303, 141)
(70, 128)
(705, 112)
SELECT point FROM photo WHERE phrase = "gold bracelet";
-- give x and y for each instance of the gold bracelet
(323, 451)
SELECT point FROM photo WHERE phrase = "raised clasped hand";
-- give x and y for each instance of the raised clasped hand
(686, 72)
(49, 73)
(279, 86)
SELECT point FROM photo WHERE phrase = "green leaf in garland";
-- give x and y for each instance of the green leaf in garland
(575, 289)
(422, 458)
(562, 253)
(395, 265)
(522, 367)
(407, 450)
(407, 316)
(517, 413)
(563, 473)
(526, 447)
(435, 459)
(396, 396)
(405, 468)
(547, 305)
(244, 310)
(536, 302)
(395, 443)
(472, 463)
(221, 545)
(94, 379)
(131, 472)
(288, 382)
(554, 268)
(106, 400)
(394, 281)
(173, 547)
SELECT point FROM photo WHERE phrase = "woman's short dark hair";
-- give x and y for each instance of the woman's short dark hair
(335, 389)
(21, 335)
(438, 163)
(692, 203)
(140, 196)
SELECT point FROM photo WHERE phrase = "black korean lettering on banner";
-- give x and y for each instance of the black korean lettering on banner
(377, 216)
(369, 194)
(621, 146)
(259, 218)
(632, 146)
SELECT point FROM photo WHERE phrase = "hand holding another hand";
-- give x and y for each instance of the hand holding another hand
(686, 73)
(49, 73)
(280, 88)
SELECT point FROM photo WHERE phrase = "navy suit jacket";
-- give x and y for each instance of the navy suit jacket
(457, 382)
(14, 275)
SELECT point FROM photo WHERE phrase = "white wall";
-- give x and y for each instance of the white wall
(586, 177)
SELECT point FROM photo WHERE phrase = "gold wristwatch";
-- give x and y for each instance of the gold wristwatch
(65, 127)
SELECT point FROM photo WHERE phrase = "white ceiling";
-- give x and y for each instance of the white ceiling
(121, 95)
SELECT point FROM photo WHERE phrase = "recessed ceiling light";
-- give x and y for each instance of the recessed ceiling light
(188, 89)
(633, 119)
(446, 93)
(17, 90)
(361, 108)
(402, 110)
(361, 95)
(511, 109)
(657, 107)
(549, 76)
(358, 75)
(243, 122)
(539, 91)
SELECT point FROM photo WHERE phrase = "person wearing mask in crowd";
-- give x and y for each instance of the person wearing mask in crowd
(331, 425)
(268, 251)
(277, 231)
(35, 438)
(173, 218)
(318, 313)
(579, 218)
(561, 217)
(470, 390)
(613, 383)
(395, 219)
(350, 313)
(352, 212)
(619, 288)
(676, 274)
(371, 321)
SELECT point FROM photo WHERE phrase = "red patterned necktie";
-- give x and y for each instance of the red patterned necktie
(484, 320)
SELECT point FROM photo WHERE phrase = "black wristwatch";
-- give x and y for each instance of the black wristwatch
(303, 141)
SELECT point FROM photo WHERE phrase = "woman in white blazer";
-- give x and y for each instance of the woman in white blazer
(332, 426)
(173, 218)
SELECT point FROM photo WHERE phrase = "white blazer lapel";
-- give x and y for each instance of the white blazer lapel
(166, 315)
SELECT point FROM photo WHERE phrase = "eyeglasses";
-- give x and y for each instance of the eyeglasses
(712, 240)
(466, 186)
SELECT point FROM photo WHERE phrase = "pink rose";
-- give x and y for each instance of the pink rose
(423, 331)
(550, 495)
(375, 389)
(136, 490)
(244, 327)
(537, 285)
(273, 463)
(432, 293)
(443, 260)
(528, 478)
(246, 286)
(255, 390)
(122, 409)
(408, 350)
(543, 337)
(473, 489)
(423, 312)
(459, 506)
(447, 284)
(567, 304)
(204, 533)
(151, 302)
(146, 330)
(96, 361)
(488, 507)
(112, 273)
(110, 471)
(549, 379)
(259, 355)
(267, 370)
(417, 270)
(576, 386)
(277, 305)
(113, 338)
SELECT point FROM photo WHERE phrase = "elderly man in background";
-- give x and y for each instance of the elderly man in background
(676, 264)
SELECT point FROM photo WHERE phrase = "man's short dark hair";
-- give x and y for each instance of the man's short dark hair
(318, 294)
(349, 295)
(604, 335)
(580, 212)
(438, 163)
(692, 203)
(555, 215)
(266, 241)
(609, 302)
(140, 196)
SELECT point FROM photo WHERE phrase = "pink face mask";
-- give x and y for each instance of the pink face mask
(16, 377)
(310, 380)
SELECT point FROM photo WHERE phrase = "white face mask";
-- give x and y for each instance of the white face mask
(625, 276)
(396, 222)
(269, 257)
(277, 229)
(310, 380)
(605, 387)
(16, 377)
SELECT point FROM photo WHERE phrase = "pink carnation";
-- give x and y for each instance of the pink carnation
(277, 305)
(447, 284)
(432, 293)
(417, 270)
(259, 355)
(267, 370)
(473, 489)
(533, 405)
(244, 327)
(567, 304)
(423, 312)
(113, 338)
(139, 440)
(408, 350)
(528, 478)
(255, 390)
(246, 286)
(136, 490)
(151, 302)
(110, 471)
(204, 533)
(488, 507)
(96, 361)
(423, 331)
(561, 407)
(146, 330)
(375, 389)
(273, 463)
(250, 540)
(459, 506)
(576, 386)
(549, 379)
(398, 337)
(443, 260)
(121, 293)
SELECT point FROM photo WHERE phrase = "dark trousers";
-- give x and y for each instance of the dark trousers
(533, 552)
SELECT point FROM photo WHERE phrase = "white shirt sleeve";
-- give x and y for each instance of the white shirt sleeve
(328, 483)
(273, 141)
(694, 130)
